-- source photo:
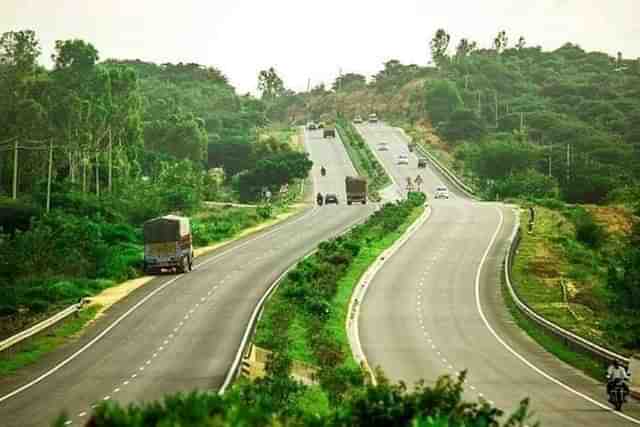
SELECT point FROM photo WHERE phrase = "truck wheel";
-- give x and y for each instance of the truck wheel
(191, 263)
(184, 267)
(349, 203)
(364, 202)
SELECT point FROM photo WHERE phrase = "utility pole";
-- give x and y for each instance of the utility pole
(49, 176)
(479, 104)
(550, 155)
(568, 162)
(496, 98)
(15, 170)
(466, 81)
(97, 173)
(84, 173)
(110, 180)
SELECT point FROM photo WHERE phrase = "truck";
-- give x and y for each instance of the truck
(373, 118)
(328, 133)
(168, 244)
(356, 188)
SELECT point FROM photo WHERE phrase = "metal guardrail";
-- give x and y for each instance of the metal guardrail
(35, 329)
(570, 339)
(468, 191)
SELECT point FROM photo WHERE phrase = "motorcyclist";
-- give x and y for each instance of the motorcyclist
(617, 373)
(319, 198)
(323, 171)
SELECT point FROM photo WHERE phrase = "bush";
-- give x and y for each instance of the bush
(588, 231)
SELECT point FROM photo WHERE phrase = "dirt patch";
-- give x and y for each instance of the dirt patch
(615, 219)
(110, 296)
(544, 264)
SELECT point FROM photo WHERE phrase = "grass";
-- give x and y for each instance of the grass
(552, 255)
(39, 346)
(362, 158)
(554, 345)
(346, 285)
(300, 329)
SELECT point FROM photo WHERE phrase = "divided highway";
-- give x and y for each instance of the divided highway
(179, 332)
(436, 308)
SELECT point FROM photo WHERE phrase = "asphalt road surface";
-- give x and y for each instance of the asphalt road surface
(436, 308)
(179, 333)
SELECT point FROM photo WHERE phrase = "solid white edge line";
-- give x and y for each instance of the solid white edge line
(66, 361)
(514, 352)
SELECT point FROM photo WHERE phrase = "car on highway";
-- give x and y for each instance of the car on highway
(441, 193)
(422, 162)
(383, 146)
(330, 198)
(373, 118)
(402, 159)
(357, 120)
(312, 126)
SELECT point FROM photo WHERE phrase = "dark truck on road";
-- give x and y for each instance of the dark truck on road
(168, 244)
(356, 187)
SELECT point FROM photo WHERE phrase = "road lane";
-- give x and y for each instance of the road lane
(186, 335)
(425, 311)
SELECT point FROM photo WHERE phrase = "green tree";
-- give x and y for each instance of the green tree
(270, 84)
(501, 42)
(441, 100)
(439, 45)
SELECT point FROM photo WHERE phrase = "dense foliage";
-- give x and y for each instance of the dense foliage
(263, 404)
(577, 113)
(305, 299)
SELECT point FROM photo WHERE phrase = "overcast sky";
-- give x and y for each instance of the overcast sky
(306, 39)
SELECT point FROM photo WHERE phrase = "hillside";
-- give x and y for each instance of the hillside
(567, 120)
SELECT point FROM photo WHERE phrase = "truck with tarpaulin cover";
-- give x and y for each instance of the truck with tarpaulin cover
(356, 188)
(168, 244)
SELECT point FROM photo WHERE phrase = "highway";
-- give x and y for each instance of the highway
(436, 308)
(178, 333)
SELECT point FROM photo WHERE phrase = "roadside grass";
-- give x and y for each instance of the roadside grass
(301, 326)
(362, 158)
(551, 258)
(36, 348)
(346, 285)
(554, 345)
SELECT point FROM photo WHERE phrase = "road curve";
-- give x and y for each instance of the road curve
(179, 333)
(436, 308)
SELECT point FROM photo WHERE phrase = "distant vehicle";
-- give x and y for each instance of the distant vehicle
(411, 147)
(383, 146)
(330, 198)
(312, 126)
(357, 120)
(356, 187)
(441, 193)
(373, 118)
(402, 159)
(422, 162)
(328, 133)
(168, 244)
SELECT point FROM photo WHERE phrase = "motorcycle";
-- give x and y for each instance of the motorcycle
(617, 394)
(323, 171)
(320, 199)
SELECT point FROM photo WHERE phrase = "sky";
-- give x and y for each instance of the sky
(315, 40)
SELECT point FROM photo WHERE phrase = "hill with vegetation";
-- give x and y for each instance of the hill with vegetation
(90, 150)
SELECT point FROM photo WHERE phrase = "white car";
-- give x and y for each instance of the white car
(383, 146)
(403, 159)
(441, 193)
